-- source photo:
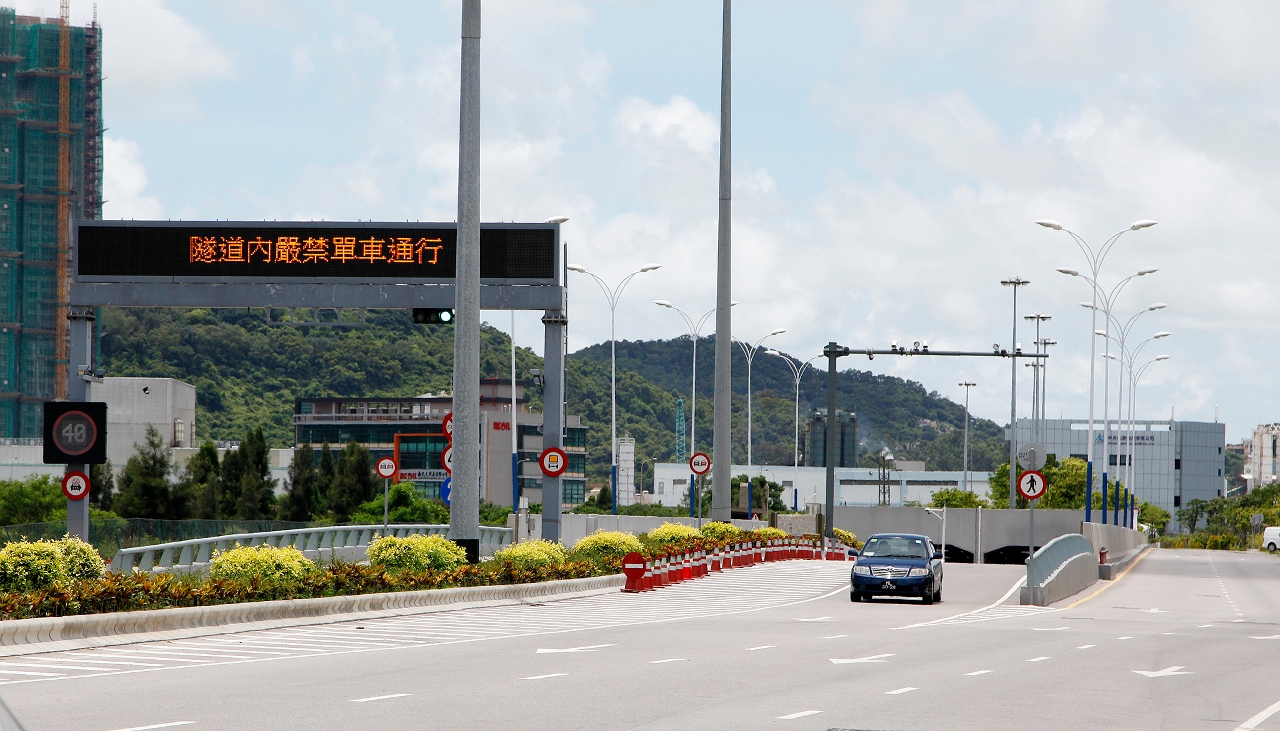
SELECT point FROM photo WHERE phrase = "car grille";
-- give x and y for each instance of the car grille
(889, 572)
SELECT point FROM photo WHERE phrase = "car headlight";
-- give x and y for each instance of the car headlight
(919, 572)
(862, 570)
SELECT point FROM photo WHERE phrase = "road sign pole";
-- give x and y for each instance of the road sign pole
(1031, 539)
(81, 352)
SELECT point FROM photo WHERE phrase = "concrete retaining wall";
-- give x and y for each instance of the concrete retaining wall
(1000, 528)
(1118, 540)
(1076, 575)
(24, 636)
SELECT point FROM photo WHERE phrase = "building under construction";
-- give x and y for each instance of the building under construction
(50, 174)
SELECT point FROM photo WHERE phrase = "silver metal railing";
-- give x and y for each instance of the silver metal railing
(1055, 553)
(201, 550)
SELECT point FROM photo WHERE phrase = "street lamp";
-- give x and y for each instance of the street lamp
(695, 331)
(1014, 350)
(798, 371)
(1134, 374)
(1094, 259)
(1036, 435)
(967, 385)
(749, 351)
(612, 296)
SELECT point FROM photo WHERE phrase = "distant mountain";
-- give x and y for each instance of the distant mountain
(247, 373)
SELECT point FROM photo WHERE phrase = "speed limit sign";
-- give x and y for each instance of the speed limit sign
(1031, 485)
(446, 459)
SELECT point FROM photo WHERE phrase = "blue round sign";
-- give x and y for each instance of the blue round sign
(445, 490)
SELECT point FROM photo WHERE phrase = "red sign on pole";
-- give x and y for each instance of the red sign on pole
(553, 461)
(699, 463)
(446, 459)
(1031, 485)
(386, 468)
(75, 485)
(447, 426)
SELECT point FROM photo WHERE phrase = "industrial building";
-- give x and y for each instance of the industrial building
(50, 174)
(814, 448)
(1173, 461)
(411, 430)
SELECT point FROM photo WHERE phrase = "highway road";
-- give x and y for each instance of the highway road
(1186, 640)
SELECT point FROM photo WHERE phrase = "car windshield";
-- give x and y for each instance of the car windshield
(895, 547)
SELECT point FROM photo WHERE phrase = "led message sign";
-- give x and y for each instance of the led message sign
(111, 251)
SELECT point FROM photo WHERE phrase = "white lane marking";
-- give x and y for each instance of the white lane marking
(156, 725)
(869, 658)
(541, 677)
(587, 648)
(1268, 637)
(801, 714)
(995, 610)
(1126, 637)
(834, 637)
(1168, 633)
(1038, 659)
(978, 672)
(1153, 610)
(673, 659)
(762, 647)
(900, 691)
(1085, 647)
(379, 697)
(1171, 670)
(1237, 620)
(1206, 625)
(816, 619)
(33, 673)
(1266, 713)
(1048, 629)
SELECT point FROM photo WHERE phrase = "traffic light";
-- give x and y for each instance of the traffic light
(424, 316)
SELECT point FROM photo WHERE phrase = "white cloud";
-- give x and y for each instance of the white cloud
(124, 180)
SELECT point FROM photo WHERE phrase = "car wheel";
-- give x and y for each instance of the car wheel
(937, 595)
(1271, 547)
(855, 596)
(928, 598)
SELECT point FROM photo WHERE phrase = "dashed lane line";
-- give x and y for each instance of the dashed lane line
(995, 610)
(900, 691)
(544, 677)
(379, 697)
(171, 724)
(1262, 715)
(801, 714)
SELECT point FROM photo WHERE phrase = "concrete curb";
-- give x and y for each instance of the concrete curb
(52, 634)
(1109, 571)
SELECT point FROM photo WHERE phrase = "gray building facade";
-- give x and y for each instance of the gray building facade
(814, 452)
(1173, 461)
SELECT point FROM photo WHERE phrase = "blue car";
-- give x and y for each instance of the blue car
(897, 564)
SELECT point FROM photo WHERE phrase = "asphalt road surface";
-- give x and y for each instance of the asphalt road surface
(1186, 640)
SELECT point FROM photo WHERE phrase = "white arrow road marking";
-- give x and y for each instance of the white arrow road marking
(1171, 670)
(762, 647)
(900, 691)
(1048, 629)
(588, 648)
(379, 698)
(869, 658)
(801, 714)
(541, 677)
(1038, 659)
(1085, 647)
(817, 619)
(157, 725)
(1268, 637)
(978, 672)
(659, 662)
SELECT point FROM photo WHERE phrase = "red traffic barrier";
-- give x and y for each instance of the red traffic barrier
(715, 560)
(686, 566)
(633, 568)
(647, 581)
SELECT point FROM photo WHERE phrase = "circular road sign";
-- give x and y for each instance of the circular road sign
(75, 485)
(1031, 485)
(446, 459)
(75, 433)
(386, 468)
(447, 426)
(553, 461)
(446, 489)
(699, 463)
(1032, 456)
(633, 566)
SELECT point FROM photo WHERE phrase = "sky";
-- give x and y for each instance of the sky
(889, 162)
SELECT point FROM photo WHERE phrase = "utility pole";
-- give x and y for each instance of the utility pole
(1014, 350)
(833, 351)
(722, 436)
(464, 511)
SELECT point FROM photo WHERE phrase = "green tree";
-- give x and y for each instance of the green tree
(145, 490)
(605, 498)
(954, 497)
(229, 476)
(998, 488)
(257, 498)
(324, 478)
(303, 486)
(1190, 515)
(33, 500)
(201, 480)
(102, 486)
(353, 482)
(1154, 516)
(404, 505)
(1066, 484)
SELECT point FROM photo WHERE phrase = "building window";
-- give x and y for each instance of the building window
(1177, 501)
(179, 433)
(307, 407)
(573, 492)
(1177, 463)
(662, 487)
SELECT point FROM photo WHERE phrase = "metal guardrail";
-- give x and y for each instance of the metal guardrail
(202, 550)
(1055, 553)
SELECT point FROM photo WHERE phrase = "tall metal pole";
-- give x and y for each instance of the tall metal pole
(1014, 282)
(515, 423)
(828, 523)
(967, 385)
(722, 441)
(613, 404)
(464, 511)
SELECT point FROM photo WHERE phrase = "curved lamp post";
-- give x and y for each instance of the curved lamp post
(797, 371)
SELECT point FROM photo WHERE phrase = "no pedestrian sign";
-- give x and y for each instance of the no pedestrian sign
(1031, 485)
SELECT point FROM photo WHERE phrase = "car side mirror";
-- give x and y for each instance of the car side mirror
(937, 554)
(854, 552)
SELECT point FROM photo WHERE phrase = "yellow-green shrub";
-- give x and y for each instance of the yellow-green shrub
(718, 531)
(605, 544)
(768, 534)
(26, 565)
(416, 554)
(672, 532)
(533, 554)
(847, 537)
(269, 564)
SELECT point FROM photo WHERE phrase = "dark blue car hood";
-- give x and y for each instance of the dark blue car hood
(904, 562)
